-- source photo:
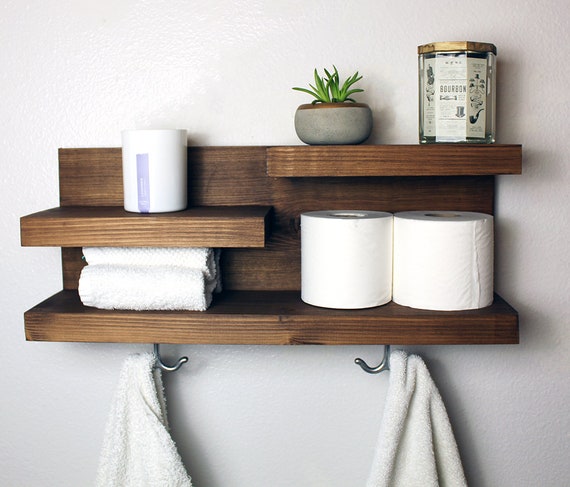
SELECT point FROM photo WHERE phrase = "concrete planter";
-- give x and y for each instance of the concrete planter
(333, 123)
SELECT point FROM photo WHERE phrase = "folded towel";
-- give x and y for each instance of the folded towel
(156, 287)
(138, 450)
(416, 446)
(205, 259)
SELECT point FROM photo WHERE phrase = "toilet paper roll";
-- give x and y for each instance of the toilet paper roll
(346, 258)
(443, 260)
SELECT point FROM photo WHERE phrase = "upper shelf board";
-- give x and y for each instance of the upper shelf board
(216, 226)
(394, 160)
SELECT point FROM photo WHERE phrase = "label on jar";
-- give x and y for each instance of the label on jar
(455, 97)
(143, 183)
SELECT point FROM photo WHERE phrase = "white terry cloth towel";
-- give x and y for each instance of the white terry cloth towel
(138, 450)
(416, 446)
(203, 258)
(144, 288)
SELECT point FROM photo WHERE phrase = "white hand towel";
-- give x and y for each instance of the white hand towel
(157, 287)
(138, 450)
(416, 446)
(201, 258)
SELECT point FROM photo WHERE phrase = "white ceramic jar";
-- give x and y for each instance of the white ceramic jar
(155, 170)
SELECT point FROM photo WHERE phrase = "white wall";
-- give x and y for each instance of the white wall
(74, 74)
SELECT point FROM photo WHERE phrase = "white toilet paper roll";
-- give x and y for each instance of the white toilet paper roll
(443, 260)
(155, 170)
(346, 258)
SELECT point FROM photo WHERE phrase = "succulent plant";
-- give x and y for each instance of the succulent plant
(328, 89)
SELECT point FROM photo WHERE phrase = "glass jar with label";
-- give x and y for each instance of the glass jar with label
(457, 92)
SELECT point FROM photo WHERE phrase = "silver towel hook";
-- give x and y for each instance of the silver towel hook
(168, 368)
(384, 365)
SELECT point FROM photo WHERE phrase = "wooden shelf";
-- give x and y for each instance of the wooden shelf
(394, 160)
(235, 195)
(270, 318)
(73, 226)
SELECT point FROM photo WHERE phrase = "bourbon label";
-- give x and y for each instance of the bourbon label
(455, 97)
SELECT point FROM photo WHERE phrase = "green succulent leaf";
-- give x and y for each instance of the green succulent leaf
(328, 88)
(305, 90)
(322, 87)
(354, 90)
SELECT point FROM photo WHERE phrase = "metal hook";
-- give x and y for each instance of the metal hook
(384, 365)
(168, 368)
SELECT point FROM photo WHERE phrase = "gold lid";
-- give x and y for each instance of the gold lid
(457, 46)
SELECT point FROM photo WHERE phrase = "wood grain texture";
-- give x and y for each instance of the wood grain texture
(92, 177)
(108, 226)
(394, 160)
(71, 263)
(216, 176)
(261, 268)
(270, 318)
(238, 176)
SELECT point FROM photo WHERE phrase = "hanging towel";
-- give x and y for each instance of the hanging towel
(157, 287)
(138, 450)
(416, 446)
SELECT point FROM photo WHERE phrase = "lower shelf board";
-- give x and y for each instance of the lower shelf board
(270, 318)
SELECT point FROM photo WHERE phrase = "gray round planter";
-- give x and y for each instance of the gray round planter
(333, 123)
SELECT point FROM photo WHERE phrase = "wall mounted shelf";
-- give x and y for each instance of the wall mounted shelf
(270, 318)
(112, 226)
(248, 201)
(394, 160)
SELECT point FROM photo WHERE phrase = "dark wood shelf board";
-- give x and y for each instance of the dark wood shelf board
(82, 226)
(270, 318)
(394, 160)
(235, 195)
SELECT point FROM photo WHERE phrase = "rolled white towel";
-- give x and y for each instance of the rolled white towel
(137, 287)
(203, 258)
